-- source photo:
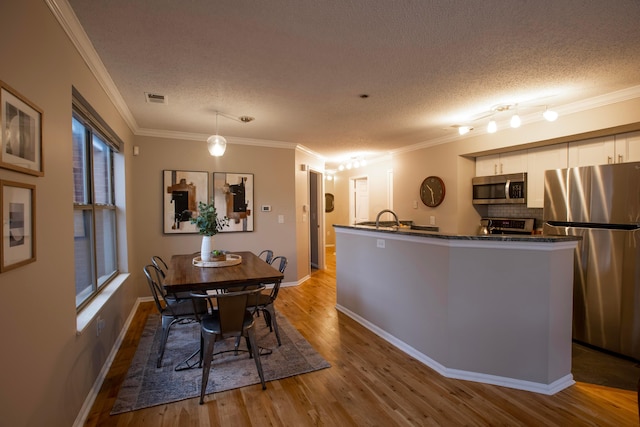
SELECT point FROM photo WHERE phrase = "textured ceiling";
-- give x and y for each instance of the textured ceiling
(300, 66)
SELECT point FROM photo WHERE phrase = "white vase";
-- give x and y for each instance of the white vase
(206, 248)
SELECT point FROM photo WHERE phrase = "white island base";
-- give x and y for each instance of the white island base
(491, 310)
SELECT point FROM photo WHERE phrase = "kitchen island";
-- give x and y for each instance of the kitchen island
(495, 309)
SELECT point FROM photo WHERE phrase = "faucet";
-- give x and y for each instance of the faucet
(387, 211)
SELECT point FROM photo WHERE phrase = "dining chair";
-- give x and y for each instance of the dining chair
(266, 255)
(231, 319)
(159, 263)
(171, 309)
(162, 266)
(265, 302)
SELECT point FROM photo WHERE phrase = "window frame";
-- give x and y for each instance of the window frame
(95, 128)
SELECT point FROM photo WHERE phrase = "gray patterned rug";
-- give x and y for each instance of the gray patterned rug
(145, 385)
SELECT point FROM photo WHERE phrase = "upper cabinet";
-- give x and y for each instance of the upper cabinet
(499, 164)
(628, 147)
(539, 160)
(620, 148)
(591, 152)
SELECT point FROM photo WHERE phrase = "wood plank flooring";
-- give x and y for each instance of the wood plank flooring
(370, 383)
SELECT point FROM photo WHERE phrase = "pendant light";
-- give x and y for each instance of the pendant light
(216, 144)
(550, 115)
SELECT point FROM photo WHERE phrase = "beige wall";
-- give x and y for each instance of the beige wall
(272, 170)
(46, 368)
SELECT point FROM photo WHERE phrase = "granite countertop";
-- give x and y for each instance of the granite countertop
(427, 231)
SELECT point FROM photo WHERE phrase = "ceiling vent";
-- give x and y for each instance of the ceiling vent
(154, 98)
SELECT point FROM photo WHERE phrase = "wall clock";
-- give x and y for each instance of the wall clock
(432, 191)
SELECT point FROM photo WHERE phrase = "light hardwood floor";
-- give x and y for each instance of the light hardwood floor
(370, 383)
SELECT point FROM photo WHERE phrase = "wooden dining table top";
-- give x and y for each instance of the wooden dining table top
(183, 276)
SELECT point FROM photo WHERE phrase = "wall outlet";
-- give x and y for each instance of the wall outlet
(380, 243)
(280, 219)
(432, 220)
(415, 204)
(99, 326)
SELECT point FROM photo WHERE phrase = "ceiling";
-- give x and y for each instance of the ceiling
(301, 67)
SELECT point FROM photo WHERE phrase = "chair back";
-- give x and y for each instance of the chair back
(232, 308)
(154, 277)
(281, 263)
(160, 265)
(266, 255)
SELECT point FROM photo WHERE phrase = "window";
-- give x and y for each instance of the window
(94, 208)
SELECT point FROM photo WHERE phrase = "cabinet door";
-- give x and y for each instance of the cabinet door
(513, 162)
(539, 160)
(590, 152)
(487, 165)
(628, 147)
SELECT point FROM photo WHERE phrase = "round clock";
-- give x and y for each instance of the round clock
(432, 191)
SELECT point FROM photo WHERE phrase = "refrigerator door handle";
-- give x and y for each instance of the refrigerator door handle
(506, 189)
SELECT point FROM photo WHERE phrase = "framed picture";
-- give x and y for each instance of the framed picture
(18, 227)
(21, 137)
(233, 198)
(182, 190)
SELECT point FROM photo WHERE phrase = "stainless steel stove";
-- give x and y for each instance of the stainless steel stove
(506, 225)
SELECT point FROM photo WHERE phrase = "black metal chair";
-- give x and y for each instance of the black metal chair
(162, 266)
(265, 302)
(171, 309)
(159, 263)
(266, 255)
(231, 319)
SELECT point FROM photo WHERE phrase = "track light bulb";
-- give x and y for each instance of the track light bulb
(463, 130)
(550, 115)
(515, 121)
(492, 127)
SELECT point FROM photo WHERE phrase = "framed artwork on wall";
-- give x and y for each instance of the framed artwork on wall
(21, 136)
(233, 198)
(181, 192)
(18, 224)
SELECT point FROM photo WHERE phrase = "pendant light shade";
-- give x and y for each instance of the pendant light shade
(216, 144)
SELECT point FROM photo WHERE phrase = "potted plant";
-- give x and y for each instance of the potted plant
(208, 225)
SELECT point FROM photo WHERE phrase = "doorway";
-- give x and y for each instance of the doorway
(358, 200)
(316, 220)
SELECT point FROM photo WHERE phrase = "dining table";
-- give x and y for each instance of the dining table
(186, 275)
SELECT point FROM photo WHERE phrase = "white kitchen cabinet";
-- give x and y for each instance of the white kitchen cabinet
(590, 152)
(627, 147)
(498, 164)
(538, 161)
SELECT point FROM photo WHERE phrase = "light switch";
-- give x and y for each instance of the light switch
(432, 220)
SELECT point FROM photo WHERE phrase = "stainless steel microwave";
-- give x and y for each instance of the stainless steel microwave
(500, 189)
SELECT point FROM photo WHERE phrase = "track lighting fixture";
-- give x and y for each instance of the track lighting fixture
(514, 121)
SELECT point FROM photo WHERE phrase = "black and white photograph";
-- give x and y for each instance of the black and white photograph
(18, 228)
(21, 133)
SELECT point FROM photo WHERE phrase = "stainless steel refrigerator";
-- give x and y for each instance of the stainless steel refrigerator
(601, 204)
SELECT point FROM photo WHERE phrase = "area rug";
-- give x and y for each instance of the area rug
(145, 385)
